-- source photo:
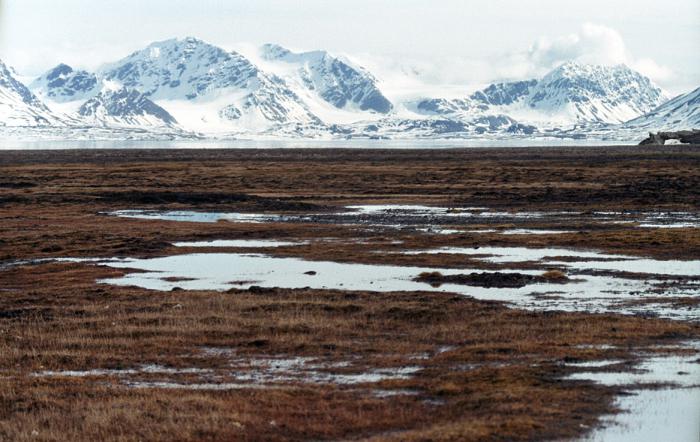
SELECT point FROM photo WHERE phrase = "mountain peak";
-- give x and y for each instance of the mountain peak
(19, 106)
(180, 69)
(596, 93)
(575, 92)
(63, 84)
(335, 80)
(271, 51)
(61, 69)
(11, 85)
(575, 68)
(178, 41)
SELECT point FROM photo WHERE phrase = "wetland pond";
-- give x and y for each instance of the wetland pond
(664, 391)
(597, 282)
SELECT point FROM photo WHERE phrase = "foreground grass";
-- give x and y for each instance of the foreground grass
(486, 372)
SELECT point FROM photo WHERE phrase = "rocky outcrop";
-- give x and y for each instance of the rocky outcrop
(684, 136)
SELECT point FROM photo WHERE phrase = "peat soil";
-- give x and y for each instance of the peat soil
(86, 361)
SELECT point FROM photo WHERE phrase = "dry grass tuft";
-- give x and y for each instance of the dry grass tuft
(555, 275)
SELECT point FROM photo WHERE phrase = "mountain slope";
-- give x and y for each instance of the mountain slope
(568, 95)
(124, 108)
(63, 84)
(503, 94)
(274, 92)
(443, 106)
(181, 69)
(219, 88)
(682, 112)
(334, 80)
(19, 106)
(590, 93)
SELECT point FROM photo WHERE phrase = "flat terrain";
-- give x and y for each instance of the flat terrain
(80, 360)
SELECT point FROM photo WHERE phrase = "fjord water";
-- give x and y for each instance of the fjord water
(213, 143)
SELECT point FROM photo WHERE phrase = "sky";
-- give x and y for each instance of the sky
(456, 43)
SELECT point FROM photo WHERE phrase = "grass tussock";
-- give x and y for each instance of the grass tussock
(555, 275)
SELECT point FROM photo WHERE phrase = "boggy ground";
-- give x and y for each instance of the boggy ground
(480, 371)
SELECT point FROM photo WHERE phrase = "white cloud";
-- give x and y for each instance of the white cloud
(653, 70)
(591, 44)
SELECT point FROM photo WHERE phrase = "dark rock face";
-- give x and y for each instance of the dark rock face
(339, 84)
(230, 112)
(69, 82)
(335, 81)
(7, 80)
(443, 106)
(438, 126)
(684, 136)
(519, 128)
(501, 94)
(64, 84)
(124, 104)
(495, 122)
(25, 104)
(58, 73)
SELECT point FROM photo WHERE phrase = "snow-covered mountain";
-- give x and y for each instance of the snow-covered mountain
(181, 69)
(334, 80)
(571, 94)
(63, 84)
(19, 106)
(456, 106)
(590, 93)
(504, 94)
(680, 113)
(124, 108)
(208, 86)
(188, 87)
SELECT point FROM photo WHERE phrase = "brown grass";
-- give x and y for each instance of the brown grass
(554, 275)
(500, 378)
(56, 319)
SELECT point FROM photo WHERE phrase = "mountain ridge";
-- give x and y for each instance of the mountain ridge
(19, 106)
(189, 84)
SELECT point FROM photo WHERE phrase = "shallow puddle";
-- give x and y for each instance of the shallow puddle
(670, 225)
(650, 413)
(144, 369)
(670, 220)
(241, 243)
(653, 416)
(244, 372)
(574, 259)
(600, 282)
(374, 209)
(223, 271)
(534, 232)
(430, 218)
(202, 217)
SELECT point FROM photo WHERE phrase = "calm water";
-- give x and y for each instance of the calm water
(670, 413)
(299, 144)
